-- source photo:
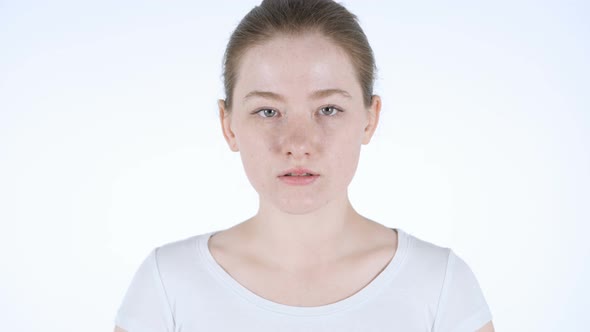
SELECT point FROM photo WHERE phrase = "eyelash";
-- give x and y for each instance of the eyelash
(324, 107)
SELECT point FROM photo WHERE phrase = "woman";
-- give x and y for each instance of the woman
(299, 105)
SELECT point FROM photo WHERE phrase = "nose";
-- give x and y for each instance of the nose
(299, 138)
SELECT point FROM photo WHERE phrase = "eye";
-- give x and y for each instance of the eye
(266, 112)
(329, 110)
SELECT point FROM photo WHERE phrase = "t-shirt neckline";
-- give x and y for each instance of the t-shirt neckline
(372, 289)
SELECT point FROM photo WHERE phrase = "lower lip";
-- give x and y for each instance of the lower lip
(298, 180)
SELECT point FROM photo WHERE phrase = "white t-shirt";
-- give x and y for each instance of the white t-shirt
(180, 287)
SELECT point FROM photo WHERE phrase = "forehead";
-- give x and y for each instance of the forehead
(293, 65)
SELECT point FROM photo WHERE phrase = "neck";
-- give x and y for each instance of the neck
(299, 241)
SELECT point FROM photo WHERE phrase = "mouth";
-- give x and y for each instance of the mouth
(298, 172)
(300, 177)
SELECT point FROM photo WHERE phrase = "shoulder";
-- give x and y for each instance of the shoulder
(434, 258)
(441, 264)
(178, 248)
(425, 258)
(447, 280)
(177, 254)
(451, 283)
(427, 250)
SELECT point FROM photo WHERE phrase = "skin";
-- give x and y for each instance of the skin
(313, 226)
(303, 225)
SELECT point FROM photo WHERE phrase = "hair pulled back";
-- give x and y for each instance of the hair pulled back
(294, 17)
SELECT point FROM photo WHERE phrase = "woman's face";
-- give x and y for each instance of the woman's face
(297, 103)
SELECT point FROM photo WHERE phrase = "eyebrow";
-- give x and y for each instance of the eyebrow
(318, 94)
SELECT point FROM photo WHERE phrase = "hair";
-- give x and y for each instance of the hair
(296, 17)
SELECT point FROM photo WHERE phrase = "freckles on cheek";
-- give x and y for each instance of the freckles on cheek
(257, 149)
(268, 142)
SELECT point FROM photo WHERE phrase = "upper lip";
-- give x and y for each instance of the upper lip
(298, 171)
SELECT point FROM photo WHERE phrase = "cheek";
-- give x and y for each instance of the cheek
(254, 152)
(344, 156)
(257, 143)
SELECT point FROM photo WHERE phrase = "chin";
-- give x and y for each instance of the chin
(293, 205)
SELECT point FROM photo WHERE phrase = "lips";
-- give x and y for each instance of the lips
(298, 171)
(298, 176)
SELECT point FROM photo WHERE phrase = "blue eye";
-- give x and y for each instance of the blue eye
(264, 111)
(331, 110)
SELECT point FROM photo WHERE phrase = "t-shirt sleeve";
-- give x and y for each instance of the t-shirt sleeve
(462, 306)
(145, 306)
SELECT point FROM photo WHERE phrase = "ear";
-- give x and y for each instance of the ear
(225, 118)
(373, 111)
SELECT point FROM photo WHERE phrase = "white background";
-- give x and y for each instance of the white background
(110, 145)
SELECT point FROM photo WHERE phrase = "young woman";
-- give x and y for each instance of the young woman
(299, 104)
